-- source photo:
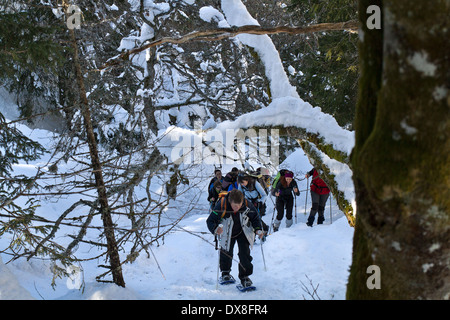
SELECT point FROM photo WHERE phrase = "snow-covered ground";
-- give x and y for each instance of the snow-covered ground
(298, 260)
(294, 257)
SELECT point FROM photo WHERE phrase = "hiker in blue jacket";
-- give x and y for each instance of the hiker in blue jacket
(254, 192)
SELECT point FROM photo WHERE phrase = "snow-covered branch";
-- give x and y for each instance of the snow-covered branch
(223, 33)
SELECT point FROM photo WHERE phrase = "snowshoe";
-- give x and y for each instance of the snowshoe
(226, 279)
(246, 285)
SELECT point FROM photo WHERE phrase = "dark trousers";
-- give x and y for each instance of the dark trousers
(245, 259)
(281, 204)
(318, 206)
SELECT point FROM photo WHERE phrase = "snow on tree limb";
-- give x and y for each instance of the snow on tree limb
(287, 111)
(326, 144)
(300, 119)
(223, 33)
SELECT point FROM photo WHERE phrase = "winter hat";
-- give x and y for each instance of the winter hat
(289, 175)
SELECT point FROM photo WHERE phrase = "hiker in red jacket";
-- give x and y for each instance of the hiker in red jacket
(319, 196)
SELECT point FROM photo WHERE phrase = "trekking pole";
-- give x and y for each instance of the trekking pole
(307, 187)
(331, 215)
(262, 230)
(264, 259)
(217, 240)
(273, 216)
(218, 260)
(295, 206)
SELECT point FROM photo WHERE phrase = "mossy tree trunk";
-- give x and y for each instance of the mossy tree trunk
(402, 153)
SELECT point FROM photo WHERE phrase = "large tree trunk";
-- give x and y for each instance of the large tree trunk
(402, 153)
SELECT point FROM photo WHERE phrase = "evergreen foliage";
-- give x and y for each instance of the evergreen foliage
(32, 50)
(328, 62)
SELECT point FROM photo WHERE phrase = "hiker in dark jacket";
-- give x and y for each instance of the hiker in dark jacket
(283, 191)
(217, 177)
(230, 178)
(214, 193)
(235, 220)
(319, 196)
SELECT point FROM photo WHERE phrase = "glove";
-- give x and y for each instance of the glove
(260, 233)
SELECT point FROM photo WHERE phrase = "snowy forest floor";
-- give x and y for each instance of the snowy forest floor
(302, 263)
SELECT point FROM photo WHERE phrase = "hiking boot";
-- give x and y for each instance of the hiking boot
(310, 221)
(246, 282)
(320, 219)
(276, 225)
(227, 277)
(289, 223)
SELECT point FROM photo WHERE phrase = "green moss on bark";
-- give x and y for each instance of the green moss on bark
(344, 205)
(400, 161)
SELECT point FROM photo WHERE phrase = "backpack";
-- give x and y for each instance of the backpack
(280, 174)
(230, 177)
(255, 176)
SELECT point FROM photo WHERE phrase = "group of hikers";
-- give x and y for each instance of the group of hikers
(237, 202)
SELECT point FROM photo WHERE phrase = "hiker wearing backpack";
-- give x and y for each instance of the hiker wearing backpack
(284, 189)
(213, 195)
(230, 179)
(264, 181)
(319, 196)
(217, 177)
(254, 192)
(234, 219)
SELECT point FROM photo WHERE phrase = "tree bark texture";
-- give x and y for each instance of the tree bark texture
(402, 153)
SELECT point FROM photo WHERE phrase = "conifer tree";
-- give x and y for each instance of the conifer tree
(328, 61)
